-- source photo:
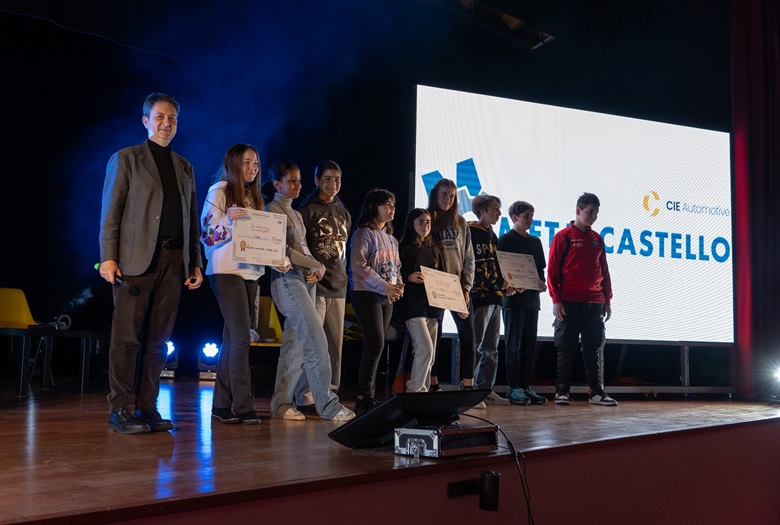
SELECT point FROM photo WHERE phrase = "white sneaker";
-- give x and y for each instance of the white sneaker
(480, 406)
(344, 414)
(292, 414)
(602, 399)
(494, 399)
(562, 398)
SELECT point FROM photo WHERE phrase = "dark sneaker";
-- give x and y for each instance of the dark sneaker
(224, 415)
(249, 418)
(535, 398)
(602, 399)
(365, 403)
(517, 397)
(562, 398)
(308, 410)
(121, 420)
(154, 420)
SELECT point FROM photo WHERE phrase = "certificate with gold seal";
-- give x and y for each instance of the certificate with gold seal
(519, 270)
(259, 237)
(443, 290)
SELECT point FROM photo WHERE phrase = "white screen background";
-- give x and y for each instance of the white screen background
(550, 155)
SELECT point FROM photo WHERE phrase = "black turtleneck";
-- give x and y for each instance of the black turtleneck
(171, 226)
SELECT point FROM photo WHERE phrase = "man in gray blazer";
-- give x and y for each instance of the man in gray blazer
(149, 246)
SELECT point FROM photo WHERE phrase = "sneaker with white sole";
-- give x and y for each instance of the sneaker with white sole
(249, 418)
(517, 397)
(562, 398)
(494, 399)
(344, 414)
(535, 398)
(292, 414)
(602, 399)
(224, 415)
(480, 406)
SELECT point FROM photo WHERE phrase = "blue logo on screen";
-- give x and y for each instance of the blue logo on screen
(653, 244)
(466, 179)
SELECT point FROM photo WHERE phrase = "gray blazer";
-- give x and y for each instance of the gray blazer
(132, 206)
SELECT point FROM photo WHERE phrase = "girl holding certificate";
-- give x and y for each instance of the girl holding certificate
(422, 320)
(304, 345)
(453, 238)
(376, 283)
(234, 284)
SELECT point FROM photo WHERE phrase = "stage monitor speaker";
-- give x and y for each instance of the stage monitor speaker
(376, 427)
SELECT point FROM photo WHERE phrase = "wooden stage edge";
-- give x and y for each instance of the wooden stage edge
(643, 462)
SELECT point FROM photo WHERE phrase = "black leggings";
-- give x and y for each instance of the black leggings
(465, 329)
(373, 312)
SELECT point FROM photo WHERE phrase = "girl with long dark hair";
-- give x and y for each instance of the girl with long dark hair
(422, 320)
(451, 234)
(376, 284)
(234, 283)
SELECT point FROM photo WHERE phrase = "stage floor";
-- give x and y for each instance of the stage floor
(59, 463)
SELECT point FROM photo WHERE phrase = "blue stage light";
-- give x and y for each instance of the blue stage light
(777, 374)
(210, 350)
(207, 361)
(171, 362)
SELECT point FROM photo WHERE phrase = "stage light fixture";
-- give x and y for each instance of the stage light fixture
(494, 18)
(207, 362)
(171, 362)
(773, 388)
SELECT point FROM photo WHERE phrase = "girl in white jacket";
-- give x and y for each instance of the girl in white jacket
(234, 283)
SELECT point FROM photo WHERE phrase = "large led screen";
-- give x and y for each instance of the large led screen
(665, 195)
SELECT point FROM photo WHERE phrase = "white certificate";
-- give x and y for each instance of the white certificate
(443, 290)
(519, 270)
(260, 237)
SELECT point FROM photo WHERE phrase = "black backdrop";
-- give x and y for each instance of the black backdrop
(302, 80)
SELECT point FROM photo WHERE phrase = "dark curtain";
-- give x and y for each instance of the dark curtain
(756, 152)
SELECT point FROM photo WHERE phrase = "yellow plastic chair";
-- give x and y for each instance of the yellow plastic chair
(352, 330)
(268, 326)
(16, 320)
(14, 310)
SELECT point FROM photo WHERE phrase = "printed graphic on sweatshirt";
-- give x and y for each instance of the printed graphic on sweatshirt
(330, 238)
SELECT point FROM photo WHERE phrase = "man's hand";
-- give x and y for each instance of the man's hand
(607, 312)
(109, 270)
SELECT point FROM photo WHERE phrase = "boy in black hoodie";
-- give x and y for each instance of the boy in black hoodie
(486, 294)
